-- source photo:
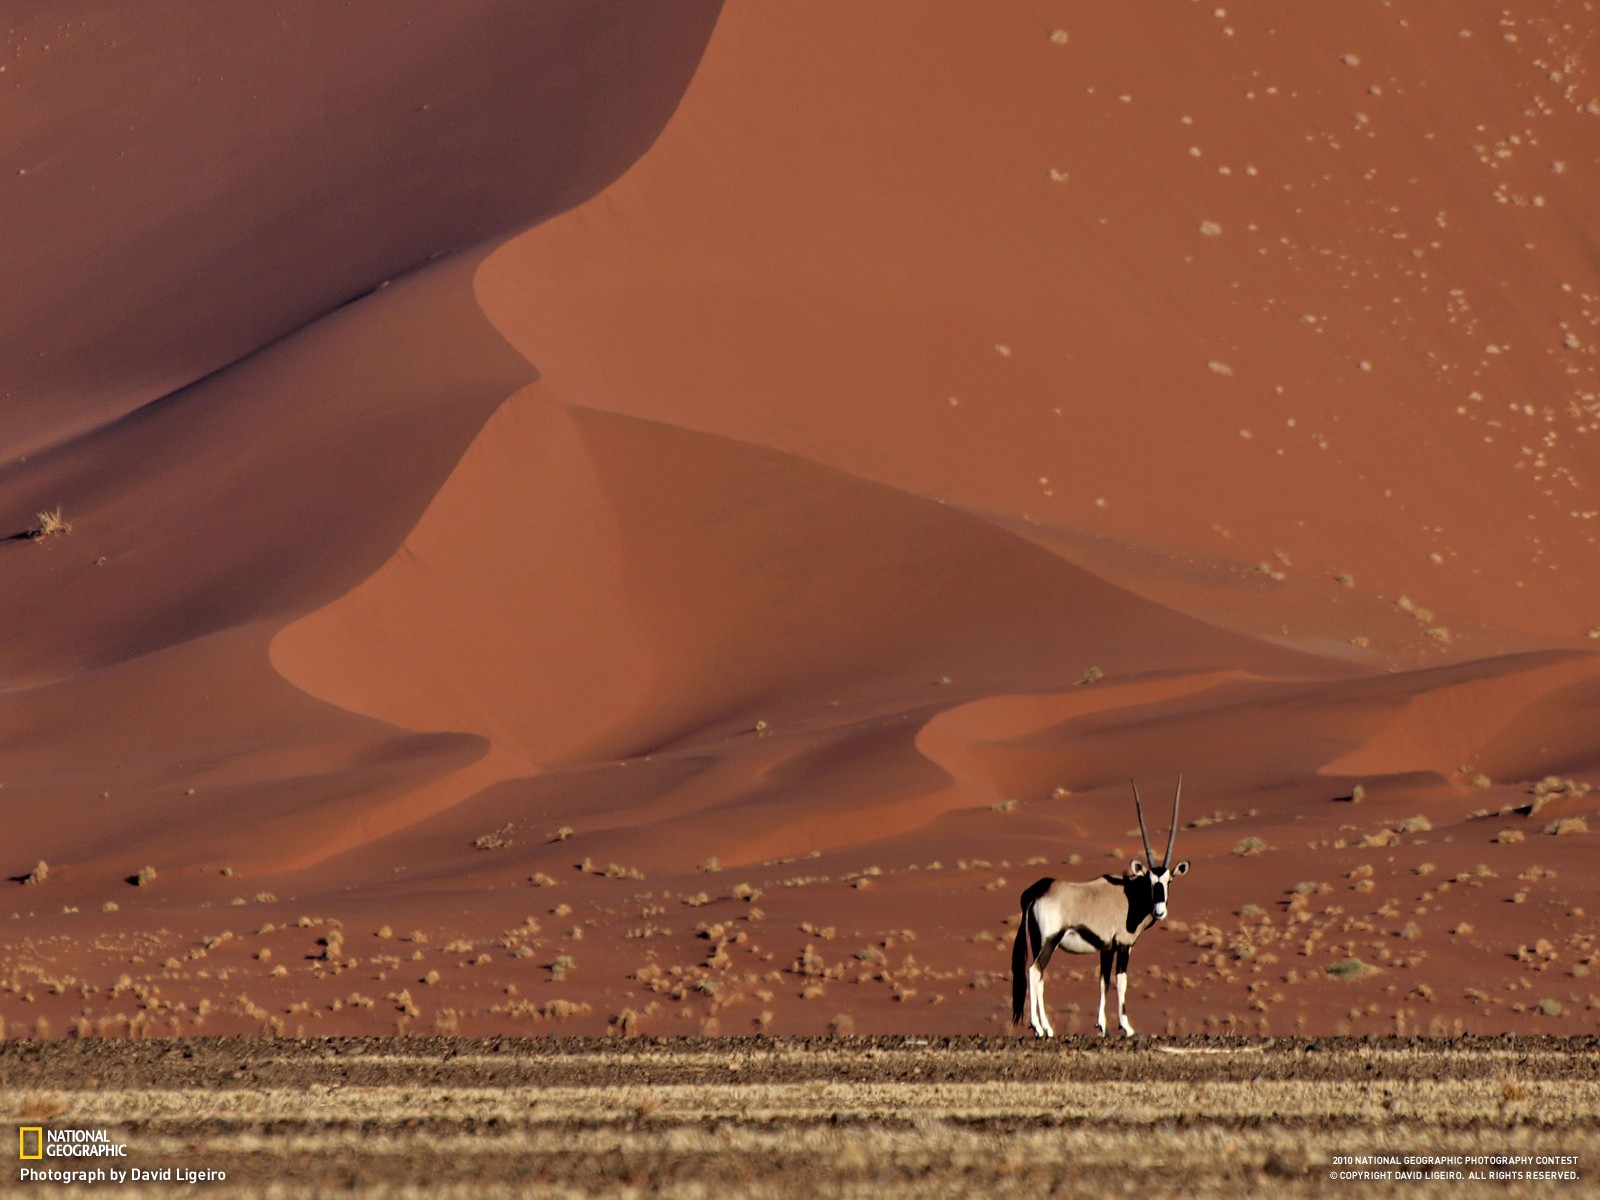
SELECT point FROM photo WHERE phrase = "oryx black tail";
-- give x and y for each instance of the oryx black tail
(1019, 967)
(1028, 939)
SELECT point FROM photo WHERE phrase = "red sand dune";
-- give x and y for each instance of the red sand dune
(574, 504)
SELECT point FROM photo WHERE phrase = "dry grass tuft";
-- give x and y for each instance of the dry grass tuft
(50, 525)
(1565, 825)
(498, 839)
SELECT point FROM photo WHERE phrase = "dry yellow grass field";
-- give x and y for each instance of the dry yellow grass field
(813, 1117)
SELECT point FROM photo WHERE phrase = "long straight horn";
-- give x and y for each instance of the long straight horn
(1172, 838)
(1149, 859)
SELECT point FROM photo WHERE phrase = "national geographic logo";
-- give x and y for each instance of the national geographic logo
(35, 1142)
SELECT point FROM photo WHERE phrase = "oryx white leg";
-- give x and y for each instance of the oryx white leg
(1039, 1014)
(1122, 992)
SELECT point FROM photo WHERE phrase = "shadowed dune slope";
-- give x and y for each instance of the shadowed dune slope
(183, 183)
(198, 191)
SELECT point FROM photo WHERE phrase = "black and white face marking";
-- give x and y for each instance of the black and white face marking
(1160, 881)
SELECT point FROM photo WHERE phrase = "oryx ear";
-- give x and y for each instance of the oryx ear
(1136, 869)
(1182, 868)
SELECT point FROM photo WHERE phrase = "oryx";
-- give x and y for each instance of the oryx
(1104, 915)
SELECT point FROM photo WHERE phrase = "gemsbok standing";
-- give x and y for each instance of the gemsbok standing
(1104, 916)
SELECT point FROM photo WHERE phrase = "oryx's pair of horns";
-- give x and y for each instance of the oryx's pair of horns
(1172, 838)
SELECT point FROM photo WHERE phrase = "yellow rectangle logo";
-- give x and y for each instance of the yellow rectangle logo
(38, 1141)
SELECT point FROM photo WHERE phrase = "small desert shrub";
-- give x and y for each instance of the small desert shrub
(49, 525)
(499, 839)
(1508, 837)
(1091, 675)
(1246, 847)
(1407, 604)
(38, 875)
(145, 877)
(1417, 824)
(1351, 968)
(1003, 806)
(1555, 785)
(1565, 825)
(557, 1010)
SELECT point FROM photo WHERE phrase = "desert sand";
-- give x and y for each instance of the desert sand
(599, 518)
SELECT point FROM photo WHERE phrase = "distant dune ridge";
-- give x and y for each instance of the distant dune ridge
(667, 517)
